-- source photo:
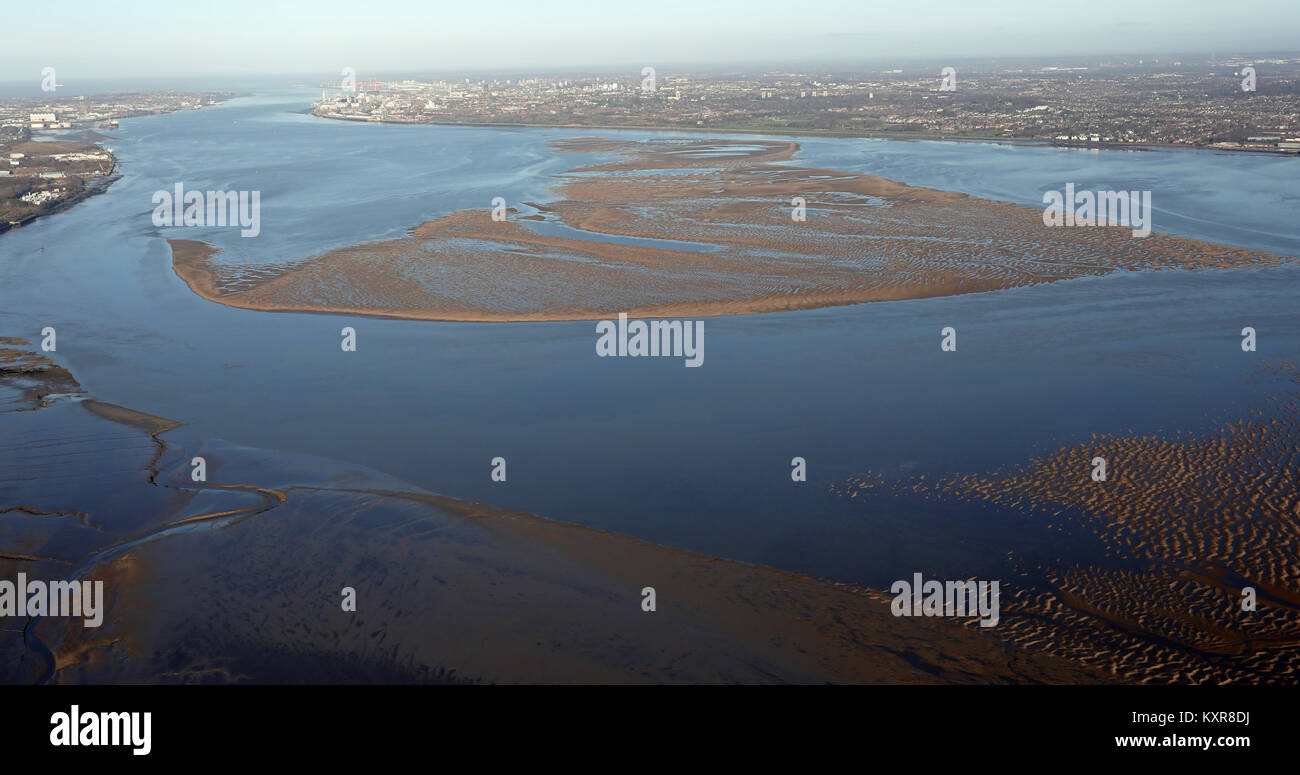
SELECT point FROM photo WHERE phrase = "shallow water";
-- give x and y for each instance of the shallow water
(697, 458)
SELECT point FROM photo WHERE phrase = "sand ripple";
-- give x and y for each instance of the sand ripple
(1187, 522)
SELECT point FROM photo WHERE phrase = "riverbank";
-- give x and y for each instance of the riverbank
(58, 175)
(808, 132)
(47, 176)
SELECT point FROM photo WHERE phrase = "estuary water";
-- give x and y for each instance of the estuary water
(698, 458)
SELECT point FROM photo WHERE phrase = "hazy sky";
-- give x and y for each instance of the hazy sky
(101, 39)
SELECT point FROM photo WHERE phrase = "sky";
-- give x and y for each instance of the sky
(96, 39)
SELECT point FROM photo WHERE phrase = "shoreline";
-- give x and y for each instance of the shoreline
(99, 186)
(816, 133)
(94, 187)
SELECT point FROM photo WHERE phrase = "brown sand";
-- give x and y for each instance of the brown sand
(865, 239)
(120, 414)
(1190, 520)
(479, 594)
(31, 374)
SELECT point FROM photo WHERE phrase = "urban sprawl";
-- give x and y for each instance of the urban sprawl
(51, 154)
(1236, 104)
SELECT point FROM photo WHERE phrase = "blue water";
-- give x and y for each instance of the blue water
(696, 458)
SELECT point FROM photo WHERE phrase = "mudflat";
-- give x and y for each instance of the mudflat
(238, 578)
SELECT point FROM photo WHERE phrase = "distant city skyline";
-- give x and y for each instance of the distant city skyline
(88, 41)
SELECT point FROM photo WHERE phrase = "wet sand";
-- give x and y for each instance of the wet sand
(1186, 521)
(707, 230)
(238, 579)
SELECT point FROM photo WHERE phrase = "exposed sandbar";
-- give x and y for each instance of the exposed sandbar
(707, 230)
(1187, 522)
